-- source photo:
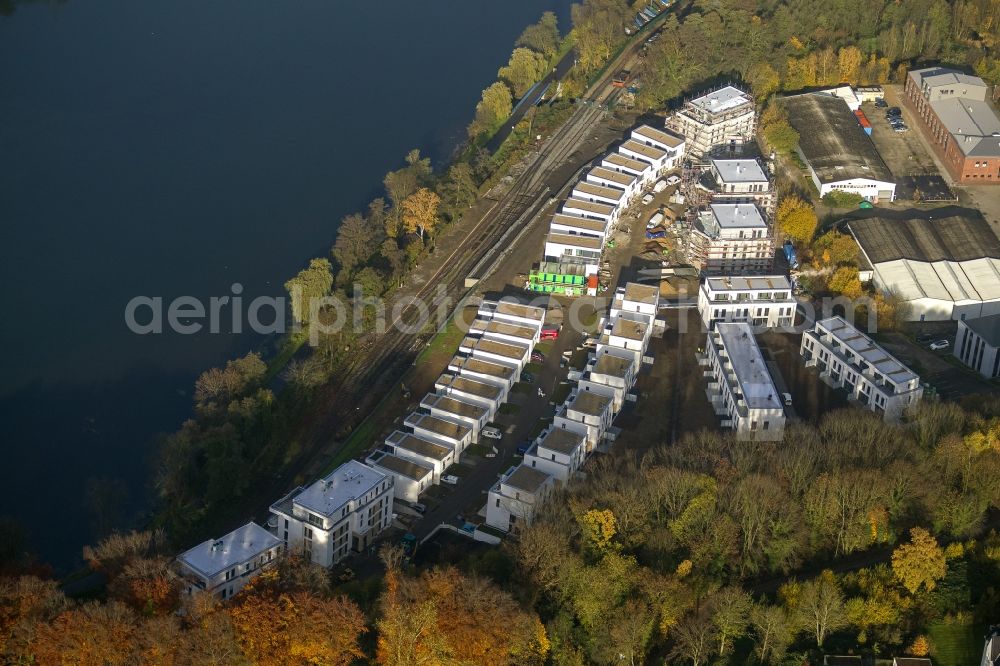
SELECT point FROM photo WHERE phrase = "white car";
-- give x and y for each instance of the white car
(648, 199)
(787, 398)
(450, 479)
(938, 345)
(673, 180)
(492, 433)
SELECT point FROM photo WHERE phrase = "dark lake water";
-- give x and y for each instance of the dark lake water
(175, 148)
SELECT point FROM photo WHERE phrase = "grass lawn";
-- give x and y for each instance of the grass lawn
(477, 450)
(458, 470)
(523, 387)
(539, 427)
(956, 644)
(561, 393)
(533, 368)
(544, 347)
(445, 341)
(287, 349)
(509, 408)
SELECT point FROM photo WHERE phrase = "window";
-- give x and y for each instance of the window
(315, 520)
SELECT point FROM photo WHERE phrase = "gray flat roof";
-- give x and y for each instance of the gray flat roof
(628, 328)
(349, 481)
(599, 190)
(470, 386)
(504, 349)
(471, 364)
(407, 468)
(641, 293)
(945, 238)
(748, 282)
(590, 403)
(738, 216)
(832, 141)
(623, 179)
(214, 556)
(505, 306)
(577, 222)
(505, 328)
(561, 441)
(411, 442)
(739, 171)
(615, 366)
(934, 77)
(444, 428)
(988, 328)
(626, 162)
(748, 365)
(588, 242)
(865, 347)
(972, 124)
(651, 152)
(526, 478)
(721, 100)
(658, 136)
(447, 403)
(589, 206)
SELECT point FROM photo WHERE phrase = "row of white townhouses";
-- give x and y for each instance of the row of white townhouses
(585, 419)
(579, 231)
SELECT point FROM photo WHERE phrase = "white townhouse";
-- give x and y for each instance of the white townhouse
(481, 370)
(594, 210)
(977, 345)
(591, 412)
(574, 225)
(516, 356)
(760, 300)
(513, 500)
(847, 358)
(585, 250)
(450, 433)
(421, 451)
(657, 158)
(509, 311)
(341, 512)
(502, 331)
(616, 373)
(643, 171)
(622, 180)
(672, 144)
(585, 190)
(489, 396)
(731, 238)
(556, 452)
(741, 181)
(449, 408)
(409, 478)
(740, 387)
(222, 567)
(636, 298)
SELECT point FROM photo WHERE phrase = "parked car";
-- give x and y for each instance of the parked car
(450, 479)
(895, 111)
(523, 448)
(492, 433)
(647, 199)
(537, 356)
(549, 334)
(419, 508)
(787, 398)
(881, 103)
(939, 344)
(660, 186)
(673, 180)
(527, 378)
(899, 129)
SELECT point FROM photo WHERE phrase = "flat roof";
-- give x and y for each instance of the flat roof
(577, 222)
(721, 100)
(623, 179)
(561, 441)
(452, 405)
(945, 238)
(507, 350)
(471, 364)
(972, 124)
(626, 162)
(628, 328)
(738, 216)
(615, 366)
(507, 307)
(865, 347)
(411, 442)
(935, 77)
(401, 466)
(329, 494)
(650, 133)
(748, 283)
(442, 427)
(739, 171)
(590, 403)
(751, 372)
(589, 206)
(832, 141)
(599, 190)
(505, 328)
(651, 152)
(214, 556)
(588, 242)
(642, 293)
(988, 328)
(470, 386)
(527, 479)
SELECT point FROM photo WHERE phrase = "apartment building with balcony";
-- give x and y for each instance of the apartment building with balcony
(222, 567)
(340, 513)
(760, 300)
(740, 387)
(740, 181)
(873, 378)
(731, 239)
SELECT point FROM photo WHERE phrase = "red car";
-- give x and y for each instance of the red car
(549, 334)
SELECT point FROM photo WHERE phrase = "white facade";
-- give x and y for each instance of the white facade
(715, 121)
(574, 225)
(498, 352)
(480, 370)
(342, 512)
(740, 386)
(764, 300)
(732, 238)
(585, 190)
(454, 434)
(643, 171)
(977, 343)
(742, 181)
(870, 189)
(490, 396)
(673, 145)
(409, 478)
(847, 358)
(557, 452)
(627, 182)
(449, 408)
(223, 567)
(513, 500)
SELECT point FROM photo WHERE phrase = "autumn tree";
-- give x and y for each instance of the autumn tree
(526, 67)
(599, 26)
(357, 241)
(26, 604)
(849, 64)
(845, 281)
(543, 36)
(420, 212)
(764, 80)
(820, 607)
(796, 219)
(834, 248)
(493, 109)
(308, 286)
(94, 634)
(920, 563)
(730, 610)
(458, 191)
(693, 638)
(771, 632)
